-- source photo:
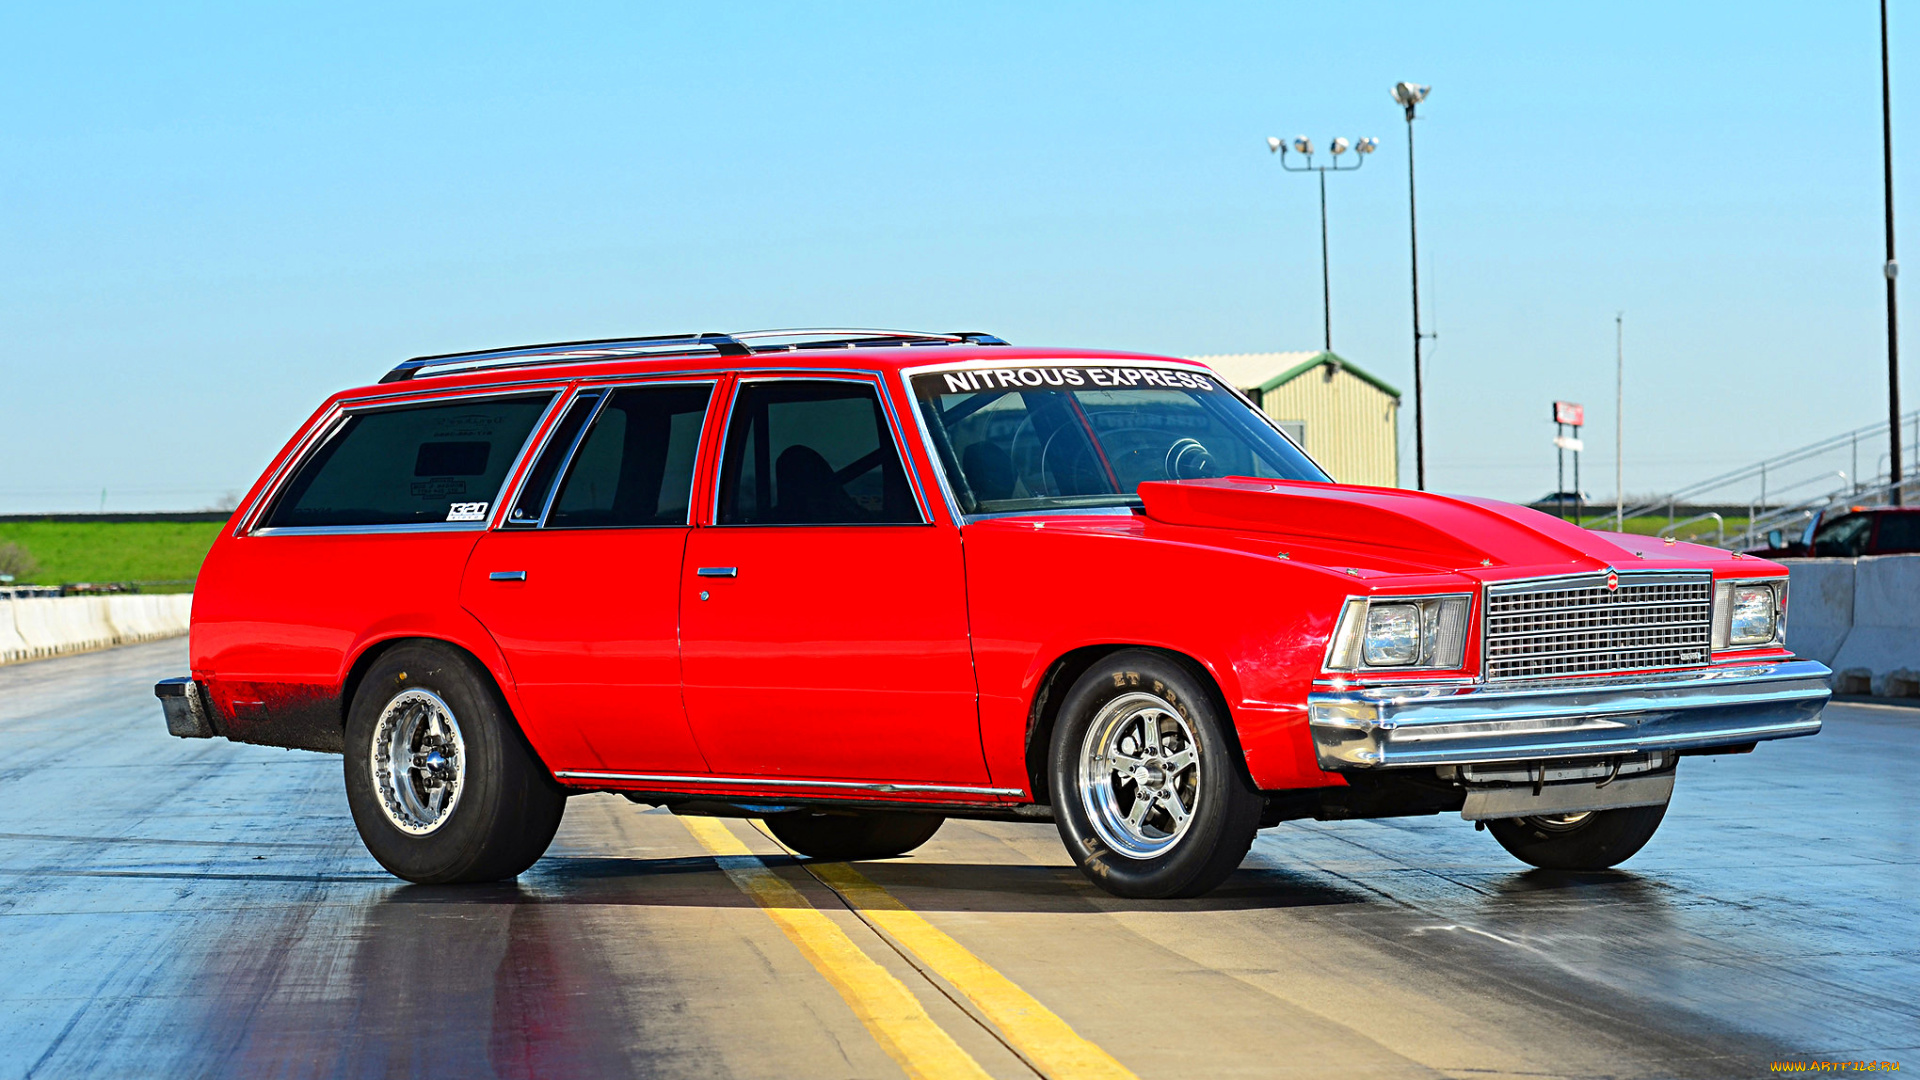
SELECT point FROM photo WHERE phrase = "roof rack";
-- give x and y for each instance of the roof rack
(746, 343)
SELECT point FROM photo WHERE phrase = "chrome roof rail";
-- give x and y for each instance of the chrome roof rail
(736, 345)
(562, 352)
(857, 337)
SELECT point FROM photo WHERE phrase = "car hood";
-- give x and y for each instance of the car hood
(1479, 537)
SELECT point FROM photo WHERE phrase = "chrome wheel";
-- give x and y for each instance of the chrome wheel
(1139, 775)
(418, 761)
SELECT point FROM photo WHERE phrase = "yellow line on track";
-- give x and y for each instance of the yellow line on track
(883, 1003)
(1047, 1041)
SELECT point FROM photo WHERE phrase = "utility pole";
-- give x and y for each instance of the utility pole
(1896, 474)
(1619, 421)
(1410, 95)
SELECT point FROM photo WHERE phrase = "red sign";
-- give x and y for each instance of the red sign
(1567, 412)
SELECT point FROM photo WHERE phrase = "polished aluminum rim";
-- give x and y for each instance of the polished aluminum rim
(419, 761)
(1561, 822)
(1139, 775)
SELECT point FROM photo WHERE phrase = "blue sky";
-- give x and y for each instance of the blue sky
(210, 217)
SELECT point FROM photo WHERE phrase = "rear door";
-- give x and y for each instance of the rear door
(824, 630)
(580, 586)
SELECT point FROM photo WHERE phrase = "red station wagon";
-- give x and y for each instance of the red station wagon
(858, 582)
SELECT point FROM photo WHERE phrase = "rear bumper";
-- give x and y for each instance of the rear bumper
(185, 704)
(1464, 725)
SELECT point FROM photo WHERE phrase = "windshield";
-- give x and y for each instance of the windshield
(1050, 438)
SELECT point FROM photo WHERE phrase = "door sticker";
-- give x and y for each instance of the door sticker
(469, 511)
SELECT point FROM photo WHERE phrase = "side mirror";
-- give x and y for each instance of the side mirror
(1775, 540)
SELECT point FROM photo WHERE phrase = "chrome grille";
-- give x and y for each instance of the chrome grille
(1577, 626)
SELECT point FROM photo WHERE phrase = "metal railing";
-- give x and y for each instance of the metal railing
(1766, 475)
(1719, 527)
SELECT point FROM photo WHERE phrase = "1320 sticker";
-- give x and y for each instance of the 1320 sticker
(467, 512)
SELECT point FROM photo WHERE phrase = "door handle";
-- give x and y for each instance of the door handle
(507, 575)
(718, 571)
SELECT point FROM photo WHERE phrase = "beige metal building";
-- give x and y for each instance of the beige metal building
(1346, 418)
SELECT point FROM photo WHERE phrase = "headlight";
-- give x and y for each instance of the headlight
(1393, 635)
(1752, 615)
(1400, 632)
(1748, 613)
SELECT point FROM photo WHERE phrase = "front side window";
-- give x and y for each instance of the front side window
(812, 452)
(1022, 439)
(413, 465)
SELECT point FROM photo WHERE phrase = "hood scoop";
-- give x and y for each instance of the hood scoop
(1445, 530)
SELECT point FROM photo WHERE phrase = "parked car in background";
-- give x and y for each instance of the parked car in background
(855, 583)
(1564, 504)
(1555, 498)
(1850, 531)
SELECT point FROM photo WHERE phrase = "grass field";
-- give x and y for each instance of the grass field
(1702, 531)
(143, 551)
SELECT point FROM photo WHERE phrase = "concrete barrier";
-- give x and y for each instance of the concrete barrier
(12, 646)
(32, 628)
(1860, 617)
(148, 618)
(1819, 607)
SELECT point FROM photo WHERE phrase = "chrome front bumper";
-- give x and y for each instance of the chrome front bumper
(1466, 725)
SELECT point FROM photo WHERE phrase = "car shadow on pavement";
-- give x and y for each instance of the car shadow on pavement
(921, 884)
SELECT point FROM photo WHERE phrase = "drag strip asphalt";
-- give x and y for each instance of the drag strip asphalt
(176, 907)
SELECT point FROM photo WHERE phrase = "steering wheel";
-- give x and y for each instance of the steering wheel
(1189, 459)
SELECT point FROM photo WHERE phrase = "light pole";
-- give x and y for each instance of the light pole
(1619, 420)
(1304, 147)
(1892, 271)
(1409, 95)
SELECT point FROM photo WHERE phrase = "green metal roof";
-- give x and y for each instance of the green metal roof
(1320, 358)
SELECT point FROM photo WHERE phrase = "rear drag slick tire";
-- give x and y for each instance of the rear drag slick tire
(443, 787)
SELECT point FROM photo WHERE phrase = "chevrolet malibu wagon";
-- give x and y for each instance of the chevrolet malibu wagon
(858, 582)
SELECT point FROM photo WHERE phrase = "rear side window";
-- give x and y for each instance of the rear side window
(635, 466)
(416, 465)
(803, 452)
(539, 483)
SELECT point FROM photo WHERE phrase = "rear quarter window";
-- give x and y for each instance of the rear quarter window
(412, 465)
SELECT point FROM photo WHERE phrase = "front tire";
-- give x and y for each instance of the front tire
(1148, 793)
(1598, 840)
(442, 785)
(846, 835)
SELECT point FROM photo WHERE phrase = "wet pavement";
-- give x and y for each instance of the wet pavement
(198, 908)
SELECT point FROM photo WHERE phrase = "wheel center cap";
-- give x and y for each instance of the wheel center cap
(1149, 776)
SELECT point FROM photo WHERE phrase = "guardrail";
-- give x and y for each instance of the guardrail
(36, 627)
